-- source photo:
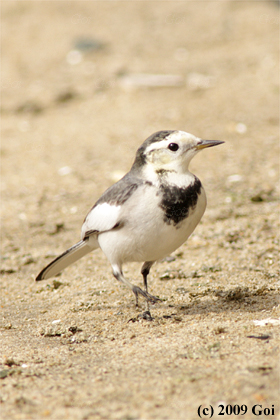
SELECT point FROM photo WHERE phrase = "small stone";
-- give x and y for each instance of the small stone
(4, 373)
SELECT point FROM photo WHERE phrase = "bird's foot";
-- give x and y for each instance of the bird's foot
(146, 315)
(150, 298)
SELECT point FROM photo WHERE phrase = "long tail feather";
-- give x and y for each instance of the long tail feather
(68, 257)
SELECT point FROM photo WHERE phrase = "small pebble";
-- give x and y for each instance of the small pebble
(74, 57)
(241, 128)
(65, 170)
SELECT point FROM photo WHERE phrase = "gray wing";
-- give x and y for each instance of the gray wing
(106, 214)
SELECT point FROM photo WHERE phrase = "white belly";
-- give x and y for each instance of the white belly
(145, 236)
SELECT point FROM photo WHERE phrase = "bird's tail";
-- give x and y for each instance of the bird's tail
(68, 257)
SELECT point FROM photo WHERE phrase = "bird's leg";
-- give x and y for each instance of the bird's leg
(118, 274)
(145, 272)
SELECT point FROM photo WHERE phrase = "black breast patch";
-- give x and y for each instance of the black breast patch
(176, 202)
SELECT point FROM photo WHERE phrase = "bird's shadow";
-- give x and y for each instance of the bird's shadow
(238, 299)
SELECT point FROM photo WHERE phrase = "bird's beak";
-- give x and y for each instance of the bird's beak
(208, 143)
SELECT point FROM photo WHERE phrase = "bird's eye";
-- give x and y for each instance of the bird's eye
(173, 147)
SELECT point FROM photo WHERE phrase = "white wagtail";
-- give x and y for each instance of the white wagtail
(146, 215)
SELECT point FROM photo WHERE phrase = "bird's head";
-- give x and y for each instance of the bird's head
(170, 150)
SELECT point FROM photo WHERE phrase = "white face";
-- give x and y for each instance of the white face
(173, 153)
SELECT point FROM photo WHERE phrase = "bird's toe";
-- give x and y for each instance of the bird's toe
(137, 290)
(146, 315)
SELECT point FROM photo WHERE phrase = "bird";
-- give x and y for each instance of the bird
(147, 214)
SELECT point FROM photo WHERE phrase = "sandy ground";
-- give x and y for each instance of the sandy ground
(74, 111)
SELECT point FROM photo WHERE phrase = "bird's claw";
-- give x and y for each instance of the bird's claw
(146, 315)
(150, 298)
